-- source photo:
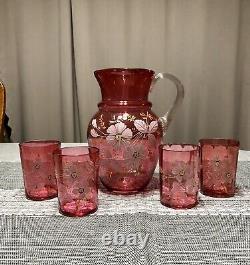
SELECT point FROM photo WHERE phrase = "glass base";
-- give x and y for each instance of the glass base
(73, 215)
(74, 209)
(212, 193)
(179, 207)
(125, 190)
(41, 198)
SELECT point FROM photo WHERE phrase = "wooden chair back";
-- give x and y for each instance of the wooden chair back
(2, 110)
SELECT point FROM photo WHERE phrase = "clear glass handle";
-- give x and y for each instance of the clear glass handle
(168, 117)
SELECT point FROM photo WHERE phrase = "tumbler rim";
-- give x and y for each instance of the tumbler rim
(194, 147)
(59, 152)
(219, 142)
(39, 143)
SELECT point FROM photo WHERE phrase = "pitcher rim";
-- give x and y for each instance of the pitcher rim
(124, 71)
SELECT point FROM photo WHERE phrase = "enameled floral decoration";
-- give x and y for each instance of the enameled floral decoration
(179, 175)
(126, 130)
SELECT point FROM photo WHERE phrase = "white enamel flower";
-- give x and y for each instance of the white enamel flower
(94, 124)
(143, 127)
(125, 116)
(119, 132)
(122, 117)
(94, 133)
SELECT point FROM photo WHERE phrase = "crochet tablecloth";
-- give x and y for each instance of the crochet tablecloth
(217, 231)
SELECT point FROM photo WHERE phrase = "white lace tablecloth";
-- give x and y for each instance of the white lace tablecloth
(217, 231)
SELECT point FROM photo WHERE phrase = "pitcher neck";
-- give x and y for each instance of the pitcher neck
(124, 86)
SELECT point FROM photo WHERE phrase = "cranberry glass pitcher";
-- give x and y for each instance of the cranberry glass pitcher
(126, 130)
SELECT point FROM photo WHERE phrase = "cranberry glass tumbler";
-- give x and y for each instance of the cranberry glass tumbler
(76, 173)
(219, 164)
(179, 181)
(38, 169)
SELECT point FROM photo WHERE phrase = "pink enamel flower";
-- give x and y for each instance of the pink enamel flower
(135, 155)
(119, 132)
